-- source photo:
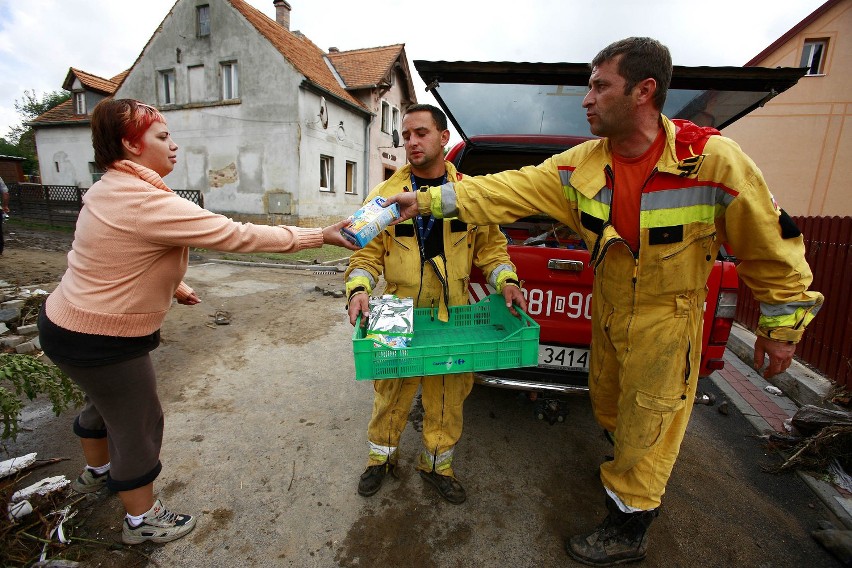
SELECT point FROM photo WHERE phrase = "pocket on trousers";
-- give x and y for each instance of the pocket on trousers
(650, 418)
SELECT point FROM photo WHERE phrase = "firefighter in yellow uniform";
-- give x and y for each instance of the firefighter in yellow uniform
(429, 260)
(653, 199)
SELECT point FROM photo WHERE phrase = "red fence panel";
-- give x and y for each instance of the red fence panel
(827, 344)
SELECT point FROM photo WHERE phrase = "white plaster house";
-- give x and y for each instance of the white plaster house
(270, 127)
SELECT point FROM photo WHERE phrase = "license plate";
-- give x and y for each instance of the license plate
(569, 358)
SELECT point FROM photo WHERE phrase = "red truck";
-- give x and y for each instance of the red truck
(511, 115)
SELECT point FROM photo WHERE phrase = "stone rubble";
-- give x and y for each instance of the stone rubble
(17, 336)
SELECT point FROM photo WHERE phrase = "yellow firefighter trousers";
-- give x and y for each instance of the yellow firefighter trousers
(443, 398)
(646, 353)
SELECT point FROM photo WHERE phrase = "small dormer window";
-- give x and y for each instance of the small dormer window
(80, 103)
(202, 20)
(813, 56)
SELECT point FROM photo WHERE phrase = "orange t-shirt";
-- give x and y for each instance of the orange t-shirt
(630, 176)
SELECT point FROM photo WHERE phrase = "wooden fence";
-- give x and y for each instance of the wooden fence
(59, 205)
(827, 344)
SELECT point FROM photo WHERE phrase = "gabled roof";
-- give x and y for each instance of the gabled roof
(370, 67)
(89, 81)
(775, 45)
(302, 53)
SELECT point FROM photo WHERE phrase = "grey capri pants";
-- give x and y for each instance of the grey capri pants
(122, 405)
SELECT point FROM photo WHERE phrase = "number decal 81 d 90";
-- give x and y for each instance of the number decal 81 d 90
(575, 305)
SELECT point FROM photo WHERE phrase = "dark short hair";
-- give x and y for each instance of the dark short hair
(437, 114)
(117, 119)
(642, 58)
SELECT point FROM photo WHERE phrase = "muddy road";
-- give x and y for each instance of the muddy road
(266, 437)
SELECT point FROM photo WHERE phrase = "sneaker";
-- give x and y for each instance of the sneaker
(371, 479)
(89, 481)
(158, 525)
(449, 487)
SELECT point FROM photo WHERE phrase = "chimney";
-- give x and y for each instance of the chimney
(282, 13)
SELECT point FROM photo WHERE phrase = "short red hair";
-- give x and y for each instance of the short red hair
(114, 120)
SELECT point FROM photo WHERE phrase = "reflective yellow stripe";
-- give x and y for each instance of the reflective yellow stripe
(593, 207)
(800, 319)
(679, 216)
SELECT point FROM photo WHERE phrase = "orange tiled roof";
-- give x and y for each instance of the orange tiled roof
(364, 68)
(302, 53)
(61, 113)
(91, 82)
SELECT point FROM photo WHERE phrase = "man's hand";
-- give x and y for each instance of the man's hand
(331, 235)
(190, 300)
(407, 202)
(780, 355)
(359, 303)
(514, 297)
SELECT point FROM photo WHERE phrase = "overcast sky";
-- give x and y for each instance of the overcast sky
(41, 39)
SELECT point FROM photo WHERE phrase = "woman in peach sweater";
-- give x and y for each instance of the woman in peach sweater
(127, 262)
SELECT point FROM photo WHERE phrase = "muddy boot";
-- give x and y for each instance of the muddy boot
(449, 487)
(620, 538)
(371, 479)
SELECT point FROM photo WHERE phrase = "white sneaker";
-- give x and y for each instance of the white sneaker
(158, 525)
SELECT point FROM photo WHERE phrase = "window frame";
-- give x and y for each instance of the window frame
(351, 178)
(95, 172)
(167, 86)
(387, 117)
(80, 107)
(395, 116)
(230, 70)
(810, 48)
(202, 26)
(327, 171)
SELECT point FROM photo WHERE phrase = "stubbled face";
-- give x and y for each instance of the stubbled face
(609, 111)
(156, 150)
(424, 143)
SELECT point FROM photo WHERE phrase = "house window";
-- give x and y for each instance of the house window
(395, 120)
(326, 173)
(813, 56)
(351, 172)
(167, 87)
(79, 103)
(96, 172)
(202, 20)
(230, 81)
(386, 117)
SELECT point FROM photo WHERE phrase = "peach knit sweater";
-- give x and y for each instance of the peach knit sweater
(130, 252)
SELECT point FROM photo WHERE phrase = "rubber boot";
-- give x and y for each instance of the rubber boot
(619, 539)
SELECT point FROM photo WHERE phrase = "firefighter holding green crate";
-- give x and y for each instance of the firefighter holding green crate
(430, 260)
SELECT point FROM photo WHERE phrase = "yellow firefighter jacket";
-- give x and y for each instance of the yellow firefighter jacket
(438, 282)
(692, 203)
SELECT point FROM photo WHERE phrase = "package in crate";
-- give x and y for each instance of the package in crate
(391, 321)
(478, 337)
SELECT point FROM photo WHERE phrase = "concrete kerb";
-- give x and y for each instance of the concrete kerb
(799, 383)
(803, 386)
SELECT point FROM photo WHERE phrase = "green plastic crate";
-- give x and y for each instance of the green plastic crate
(478, 337)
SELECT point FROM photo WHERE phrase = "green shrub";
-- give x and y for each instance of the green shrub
(26, 375)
